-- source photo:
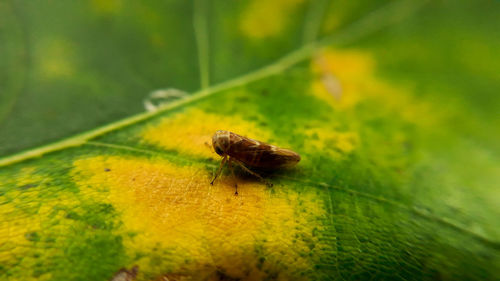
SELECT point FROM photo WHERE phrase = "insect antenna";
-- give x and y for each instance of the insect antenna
(209, 146)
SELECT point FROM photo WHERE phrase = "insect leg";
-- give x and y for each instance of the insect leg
(220, 169)
(230, 165)
(253, 173)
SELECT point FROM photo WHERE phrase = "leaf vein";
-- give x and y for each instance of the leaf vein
(201, 33)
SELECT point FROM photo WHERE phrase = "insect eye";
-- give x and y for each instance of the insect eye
(219, 151)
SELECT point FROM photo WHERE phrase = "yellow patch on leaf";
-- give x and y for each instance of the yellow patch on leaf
(263, 18)
(343, 78)
(190, 132)
(23, 220)
(332, 143)
(196, 227)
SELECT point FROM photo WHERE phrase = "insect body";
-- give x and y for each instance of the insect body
(248, 152)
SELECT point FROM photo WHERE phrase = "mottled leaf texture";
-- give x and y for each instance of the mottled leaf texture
(392, 105)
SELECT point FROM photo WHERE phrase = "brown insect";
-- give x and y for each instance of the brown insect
(248, 152)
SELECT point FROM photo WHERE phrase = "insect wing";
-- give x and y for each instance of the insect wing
(262, 155)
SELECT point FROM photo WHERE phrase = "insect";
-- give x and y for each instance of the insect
(248, 152)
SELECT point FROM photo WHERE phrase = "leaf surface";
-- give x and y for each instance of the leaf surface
(400, 163)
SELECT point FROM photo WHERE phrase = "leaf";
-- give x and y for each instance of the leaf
(400, 164)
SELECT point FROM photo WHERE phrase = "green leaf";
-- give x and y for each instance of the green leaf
(392, 107)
